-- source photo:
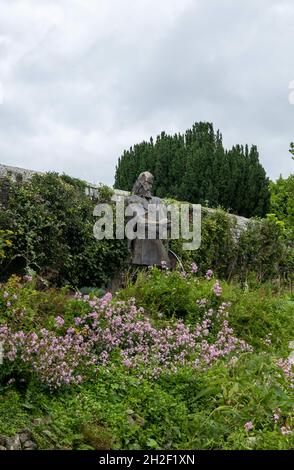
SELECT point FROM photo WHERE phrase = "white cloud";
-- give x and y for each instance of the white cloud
(84, 79)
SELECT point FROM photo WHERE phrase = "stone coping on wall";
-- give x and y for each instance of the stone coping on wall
(16, 173)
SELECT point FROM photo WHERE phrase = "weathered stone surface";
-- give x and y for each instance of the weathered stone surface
(133, 418)
(20, 441)
(13, 443)
(29, 445)
(25, 436)
(20, 175)
(37, 421)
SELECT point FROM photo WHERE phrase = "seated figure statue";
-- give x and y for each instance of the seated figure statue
(149, 210)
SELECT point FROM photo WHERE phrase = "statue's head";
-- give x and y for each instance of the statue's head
(143, 184)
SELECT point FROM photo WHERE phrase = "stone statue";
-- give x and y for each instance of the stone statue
(148, 252)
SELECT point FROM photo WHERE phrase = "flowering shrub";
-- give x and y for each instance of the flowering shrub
(155, 380)
(55, 359)
(172, 293)
(68, 354)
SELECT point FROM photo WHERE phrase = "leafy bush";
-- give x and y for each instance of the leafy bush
(282, 203)
(52, 221)
(218, 244)
(263, 251)
(257, 253)
(165, 295)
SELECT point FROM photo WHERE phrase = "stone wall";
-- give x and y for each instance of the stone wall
(20, 175)
(17, 174)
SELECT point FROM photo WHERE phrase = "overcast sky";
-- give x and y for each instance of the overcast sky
(82, 80)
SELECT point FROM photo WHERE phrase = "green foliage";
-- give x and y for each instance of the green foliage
(48, 228)
(180, 411)
(105, 193)
(282, 203)
(291, 150)
(5, 242)
(195, 167)
(282, 213)
(257, 313)
(254, 313)
(31, 308)
(170, 295)
(184, 409)
(262, 251)
(218, 244)
(256, 253)
(52, 221)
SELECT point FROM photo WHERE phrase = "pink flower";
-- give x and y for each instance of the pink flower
(209, 274)
(105, 299)
(127, 363)
(59, 321)
(277, 415)
(201, 302)
(57, 357)
(217, 289)
(194, 268)
(248, 426)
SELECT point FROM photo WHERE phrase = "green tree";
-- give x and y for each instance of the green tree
(195, 167)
